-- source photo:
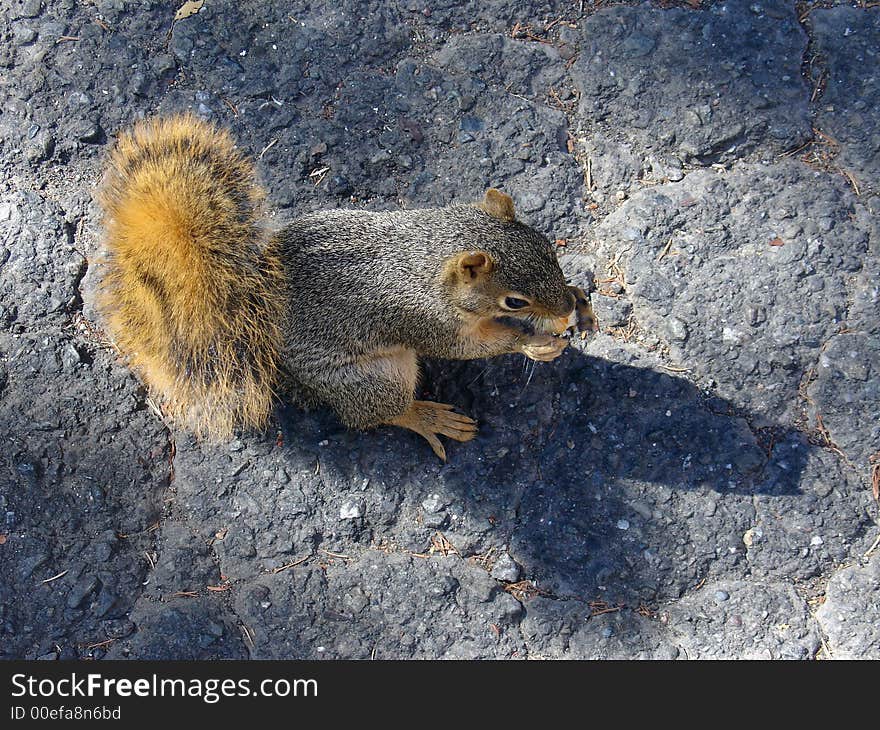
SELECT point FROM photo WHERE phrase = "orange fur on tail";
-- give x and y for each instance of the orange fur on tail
(193, 294)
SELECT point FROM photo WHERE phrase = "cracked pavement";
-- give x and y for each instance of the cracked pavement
(694, 481)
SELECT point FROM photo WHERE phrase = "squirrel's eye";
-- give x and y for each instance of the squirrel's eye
(515, 303)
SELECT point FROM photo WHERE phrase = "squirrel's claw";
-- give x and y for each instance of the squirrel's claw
(456, 426)
(435, 444)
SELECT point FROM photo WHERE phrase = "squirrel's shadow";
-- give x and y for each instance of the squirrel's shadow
(592, 473)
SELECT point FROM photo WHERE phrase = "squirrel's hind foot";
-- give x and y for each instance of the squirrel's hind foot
(429, 419)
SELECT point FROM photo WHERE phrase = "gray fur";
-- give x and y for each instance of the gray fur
(362, 282)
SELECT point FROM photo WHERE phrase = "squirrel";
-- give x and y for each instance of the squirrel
(221, 315)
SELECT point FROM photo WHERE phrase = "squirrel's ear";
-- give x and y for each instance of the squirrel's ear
(498, 205)
(473, 265)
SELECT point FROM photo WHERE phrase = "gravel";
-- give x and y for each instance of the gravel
(692, 481)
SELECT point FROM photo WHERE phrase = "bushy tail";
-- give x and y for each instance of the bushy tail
(193, 293)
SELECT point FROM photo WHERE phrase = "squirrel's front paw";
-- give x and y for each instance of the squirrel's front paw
(544, 348)
(585, 317)
(429, 419)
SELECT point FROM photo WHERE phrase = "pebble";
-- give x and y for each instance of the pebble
(105, 603)
(162, 63)
(81, 589)
(30, 9)
(622, 524)
(71, 357)
(340, 186)
(506, 569)
(24, 35)
(756, 315)
(435, 520)
(677, 328)
(721, 596)
(446, 585)
(379, 159)
(466, 102)
(87, 131)
(30, 564)
(41, 148)
(118, 628)
(471, 124)
(610, 311)
(103, 552)
(638, 45)
(52, 31)
(433, 503)
(732, 335)
(79, 99)
(351, 510)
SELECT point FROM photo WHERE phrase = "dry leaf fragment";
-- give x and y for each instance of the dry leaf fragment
(874, 461)
(191, 7)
